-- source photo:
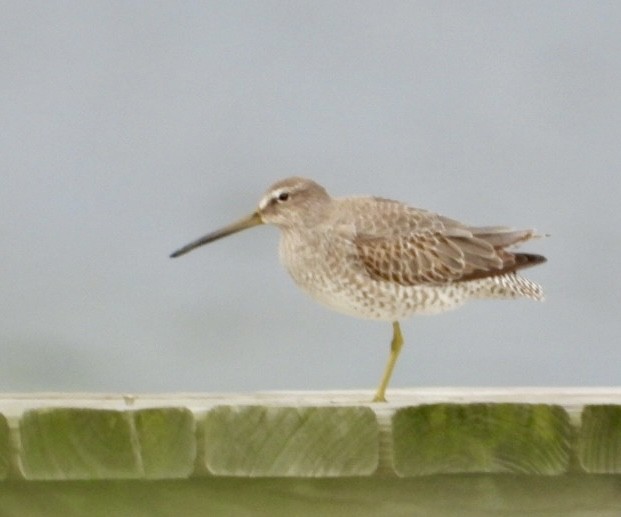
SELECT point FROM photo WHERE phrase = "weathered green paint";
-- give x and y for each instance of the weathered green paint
(321, 439)
(78, 444)
(70, 443)
(4, 447)
(167, 442)
(599, 439)
(429, 496)
(291, 441)
(481, 438)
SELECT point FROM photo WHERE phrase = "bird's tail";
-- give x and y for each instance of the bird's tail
(509, 285)
(503, 237)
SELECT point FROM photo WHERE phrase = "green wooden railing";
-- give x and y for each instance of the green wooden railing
(426, 452)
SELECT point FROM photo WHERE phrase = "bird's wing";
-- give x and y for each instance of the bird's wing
(428, 257)
(410, 246)
(443, 250)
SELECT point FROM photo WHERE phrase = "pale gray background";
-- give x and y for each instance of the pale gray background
(130, 128)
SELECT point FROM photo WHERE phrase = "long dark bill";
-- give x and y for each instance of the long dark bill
(247, 222)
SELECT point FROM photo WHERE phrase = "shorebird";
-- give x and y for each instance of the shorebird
(380, 259)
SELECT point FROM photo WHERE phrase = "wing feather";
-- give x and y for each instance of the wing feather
(411, 246)
(436, 257)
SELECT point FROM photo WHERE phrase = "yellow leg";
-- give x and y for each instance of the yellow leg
(395, 347)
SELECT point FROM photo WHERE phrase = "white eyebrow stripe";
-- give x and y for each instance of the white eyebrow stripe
(271, 195)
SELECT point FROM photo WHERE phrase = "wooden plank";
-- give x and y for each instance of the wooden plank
(167, 441)
(84, 443)
(59, 443)
(481, 438)
(291, 441)
(472, 495)
(599, 439)
(420, 432)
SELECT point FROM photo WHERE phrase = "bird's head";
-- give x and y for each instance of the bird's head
(290, 203)
(293, 202)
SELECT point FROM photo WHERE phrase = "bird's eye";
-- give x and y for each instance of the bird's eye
(283, 196)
